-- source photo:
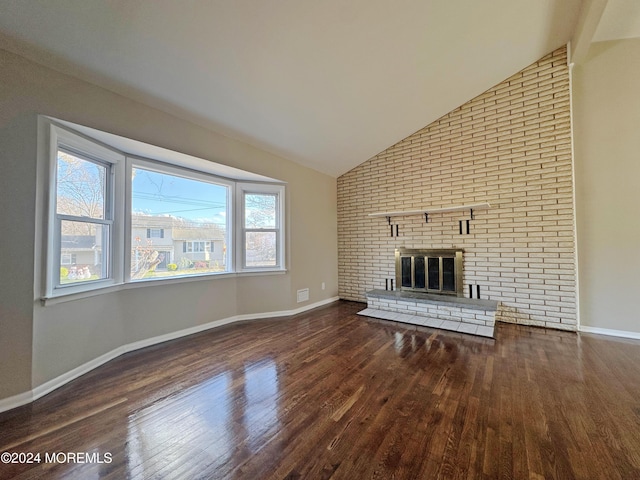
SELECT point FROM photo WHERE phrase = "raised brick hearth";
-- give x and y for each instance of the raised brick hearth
(465, 315)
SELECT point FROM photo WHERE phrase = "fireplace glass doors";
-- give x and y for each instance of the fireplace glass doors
(430, 271)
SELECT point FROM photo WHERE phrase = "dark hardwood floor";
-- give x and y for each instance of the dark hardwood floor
(331, 395)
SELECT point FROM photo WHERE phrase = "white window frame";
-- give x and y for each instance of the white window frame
(118, 203)
(161, 167)
(63, 139)
(243, 189)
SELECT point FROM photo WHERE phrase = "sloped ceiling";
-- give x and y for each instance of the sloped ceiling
(621, 19)
(327, 84)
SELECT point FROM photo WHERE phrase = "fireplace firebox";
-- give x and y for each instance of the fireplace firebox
(429, 271)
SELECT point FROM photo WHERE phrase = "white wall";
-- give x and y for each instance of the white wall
(40, 343)
(606, 99)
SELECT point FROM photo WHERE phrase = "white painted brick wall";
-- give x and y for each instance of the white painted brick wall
(511, 147)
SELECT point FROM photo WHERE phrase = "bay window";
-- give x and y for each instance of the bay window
(117, 218)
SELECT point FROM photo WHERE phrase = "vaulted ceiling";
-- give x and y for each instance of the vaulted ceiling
(327, 84)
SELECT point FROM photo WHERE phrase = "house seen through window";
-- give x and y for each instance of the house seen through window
(171, 216)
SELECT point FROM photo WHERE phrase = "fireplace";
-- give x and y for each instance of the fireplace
(429, 271)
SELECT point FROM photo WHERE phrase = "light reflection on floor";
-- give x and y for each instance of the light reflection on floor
(261, 394)
(203, 421)
(185, 416)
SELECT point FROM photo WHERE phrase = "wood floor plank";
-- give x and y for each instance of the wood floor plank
(328, 394)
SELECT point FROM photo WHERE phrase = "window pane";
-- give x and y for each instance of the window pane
(260, 249)
(260, 210)
(82, 247)
(186, 213)
(81, 187)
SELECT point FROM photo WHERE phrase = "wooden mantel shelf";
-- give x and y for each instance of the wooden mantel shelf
(429, 210)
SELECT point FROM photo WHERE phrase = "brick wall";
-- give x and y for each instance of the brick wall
(510, 147)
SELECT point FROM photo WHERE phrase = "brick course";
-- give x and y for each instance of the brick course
(510, 147)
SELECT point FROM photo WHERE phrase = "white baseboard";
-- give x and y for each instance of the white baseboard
(612, 333)
(16, 401)
(47, 387)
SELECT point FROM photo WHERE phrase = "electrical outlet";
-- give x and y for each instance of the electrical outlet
(323, 286)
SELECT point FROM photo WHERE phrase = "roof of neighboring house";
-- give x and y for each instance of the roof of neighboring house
(181, 229)
(152, 221)
(213, 232)
(77, 242)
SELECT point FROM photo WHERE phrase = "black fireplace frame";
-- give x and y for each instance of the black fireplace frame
(426, 257)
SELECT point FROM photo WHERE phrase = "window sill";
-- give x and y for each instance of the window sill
(69, 297)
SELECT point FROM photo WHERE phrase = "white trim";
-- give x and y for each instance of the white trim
(47, 387)
(179, 171)
(279, 191)
(574, 198)
(609, 332)
(16, 401)
(187, 174)
(148, 282)
(144, 150)
(63, 139)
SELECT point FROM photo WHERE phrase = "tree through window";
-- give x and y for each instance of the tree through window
(261, 230)
(82, 217)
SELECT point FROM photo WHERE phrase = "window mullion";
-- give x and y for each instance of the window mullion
(72, 218)
(57, 241)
